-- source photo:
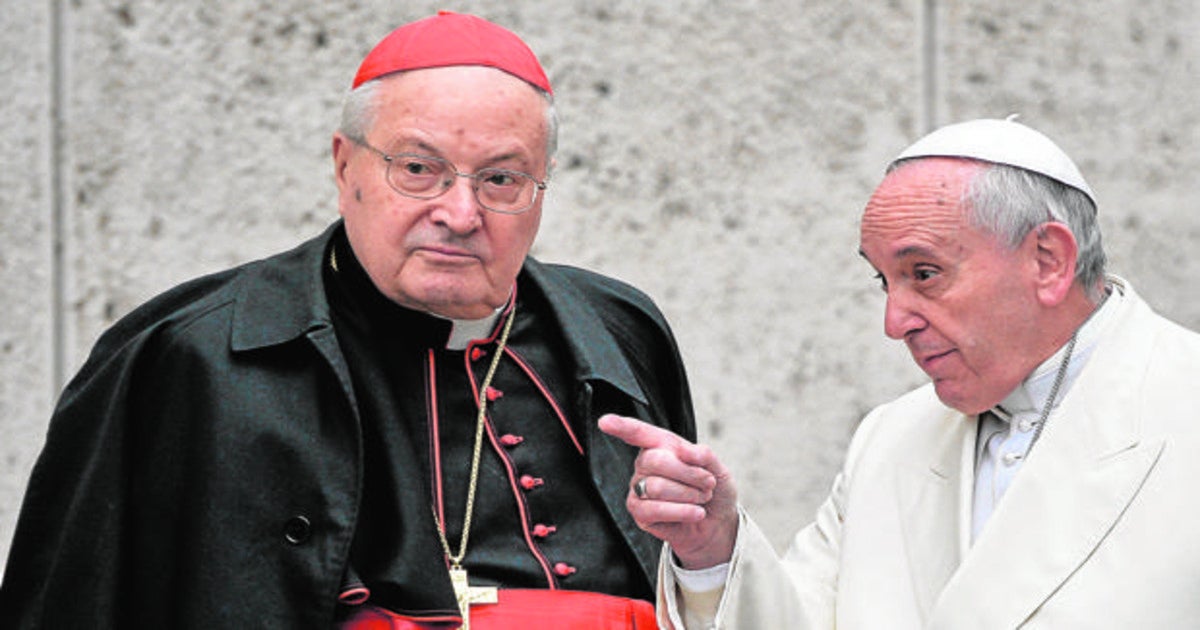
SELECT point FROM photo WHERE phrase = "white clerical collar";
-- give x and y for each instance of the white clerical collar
(1032, 393)
(464, 331)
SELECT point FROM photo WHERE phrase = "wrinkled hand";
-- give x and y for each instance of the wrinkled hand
(689, 500)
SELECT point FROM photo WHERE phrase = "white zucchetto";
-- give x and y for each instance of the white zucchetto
(1001, 142)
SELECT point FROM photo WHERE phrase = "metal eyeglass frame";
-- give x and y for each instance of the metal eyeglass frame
(539, 185)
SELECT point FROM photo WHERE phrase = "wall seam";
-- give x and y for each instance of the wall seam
(929, 65)
(57, 201)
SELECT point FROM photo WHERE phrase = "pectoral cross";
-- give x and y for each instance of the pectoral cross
(467, 594)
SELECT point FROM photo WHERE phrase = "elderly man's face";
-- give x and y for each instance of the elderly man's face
(446, 255)
(962, 302)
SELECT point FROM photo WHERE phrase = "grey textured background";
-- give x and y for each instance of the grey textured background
(715, 153)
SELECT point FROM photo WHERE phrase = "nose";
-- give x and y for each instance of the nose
(458, 208)
(900, 318)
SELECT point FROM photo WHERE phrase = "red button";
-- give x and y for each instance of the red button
(493, 393)
(530, 482)
(542, 531)
(509, 439)
(478, 353)
(563, 569)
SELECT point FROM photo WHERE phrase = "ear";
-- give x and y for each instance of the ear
(341, 158)
(1055, 255)
(343, 147)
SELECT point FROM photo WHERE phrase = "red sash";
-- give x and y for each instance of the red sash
(526, 609)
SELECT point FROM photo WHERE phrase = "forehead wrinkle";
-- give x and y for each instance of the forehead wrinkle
(922, 199)
(937, 182)
(488, 108)
(910, 229)
(917, 209)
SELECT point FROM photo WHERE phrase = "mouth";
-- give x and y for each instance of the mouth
(930, 362)
(446, 254)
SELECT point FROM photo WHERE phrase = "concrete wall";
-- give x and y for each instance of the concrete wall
(715, 153)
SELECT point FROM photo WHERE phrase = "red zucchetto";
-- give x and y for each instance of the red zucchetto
(452, 39)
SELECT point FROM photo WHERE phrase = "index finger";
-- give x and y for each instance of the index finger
(634, 432)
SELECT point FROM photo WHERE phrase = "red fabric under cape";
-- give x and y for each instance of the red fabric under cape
(525, 609)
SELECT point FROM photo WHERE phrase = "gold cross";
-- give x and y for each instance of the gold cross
(467, 594)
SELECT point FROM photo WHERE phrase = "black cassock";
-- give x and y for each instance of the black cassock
(238, 450)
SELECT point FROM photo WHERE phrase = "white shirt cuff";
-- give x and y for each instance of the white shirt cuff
(700, 580)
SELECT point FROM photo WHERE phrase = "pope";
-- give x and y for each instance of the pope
(1041, 479)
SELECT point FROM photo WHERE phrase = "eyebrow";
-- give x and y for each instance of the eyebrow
(914, 250)
(432, 150)
(903, 253)
(409, 145)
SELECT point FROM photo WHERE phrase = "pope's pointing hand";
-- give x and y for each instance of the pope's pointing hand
(680, 492)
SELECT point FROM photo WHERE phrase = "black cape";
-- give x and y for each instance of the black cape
(204, 467)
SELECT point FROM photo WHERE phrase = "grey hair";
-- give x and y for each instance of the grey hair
(358, 115)
(1010, 202)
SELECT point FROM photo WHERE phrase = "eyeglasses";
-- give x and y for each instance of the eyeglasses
(426, 177)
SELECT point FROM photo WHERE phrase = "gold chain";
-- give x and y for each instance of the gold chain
(480, 421)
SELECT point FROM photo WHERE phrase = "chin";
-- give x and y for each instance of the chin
(459, 306)
(440, 294)
(959, 401)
